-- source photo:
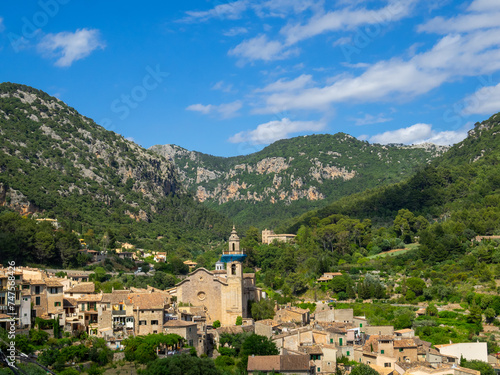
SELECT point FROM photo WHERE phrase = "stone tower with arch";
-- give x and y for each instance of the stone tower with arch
(232, 301)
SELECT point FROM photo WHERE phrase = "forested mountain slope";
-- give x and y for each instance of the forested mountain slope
(60, 164)
(464, 183)
(293, 175)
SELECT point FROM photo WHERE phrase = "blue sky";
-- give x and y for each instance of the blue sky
(230, 77)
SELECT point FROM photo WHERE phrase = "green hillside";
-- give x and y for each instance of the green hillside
(462, 184)
(293, 175)
(59, 164)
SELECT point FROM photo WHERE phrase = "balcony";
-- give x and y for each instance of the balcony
(119, 313)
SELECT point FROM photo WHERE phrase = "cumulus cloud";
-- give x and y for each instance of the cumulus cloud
(69, 47)
(226, 110)
(420, 133)
(261, 48)
(484, 101)
(275, 130)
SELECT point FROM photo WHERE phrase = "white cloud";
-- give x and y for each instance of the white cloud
(275, 130)
(420, 133)
(2, 26)
(370, 119)
(461, 23)
(222, 86)
(225, 111)
(69, 47)
(484, 101)
(260, 48)
(481, 14)
(453, 57)
(205, 109)
(282, 8)
(231, 10)
(235, 31)
(342, 41)
(287, 86)
(484, 5)
(347, 19)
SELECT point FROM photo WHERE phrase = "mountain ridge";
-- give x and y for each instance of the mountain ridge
(295, 173)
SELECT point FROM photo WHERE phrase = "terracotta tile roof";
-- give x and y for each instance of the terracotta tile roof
(405, 343)
(278, 363)
(4, 316)
(148, 301)
(88, 287)
(406, 330)
(91, 298)
(311, 349)
(116, 297)
(69, 302)
(234, 329)
(53, 283)
(267, 322)
(178, 323)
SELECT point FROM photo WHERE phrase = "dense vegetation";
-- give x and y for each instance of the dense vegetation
(309, 161)
(56, 163)
(462, 185)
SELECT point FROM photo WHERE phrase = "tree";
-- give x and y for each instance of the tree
(263, 309)
(431, 310)
(182, 365)
(239, 320)
(489, 314)
(216, 324)
(256, 345)
(477, 365)
(363, 369)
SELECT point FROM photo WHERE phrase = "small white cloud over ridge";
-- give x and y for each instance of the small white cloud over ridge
(420, 133)
(272, 131)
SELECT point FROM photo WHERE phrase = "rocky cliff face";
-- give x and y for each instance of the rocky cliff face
(301, 169)
(49, 152)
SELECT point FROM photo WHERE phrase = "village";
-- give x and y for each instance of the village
(210, 303)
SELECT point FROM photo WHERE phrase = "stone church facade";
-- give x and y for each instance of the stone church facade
(224, 294)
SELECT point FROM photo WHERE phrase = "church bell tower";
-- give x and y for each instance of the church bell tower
(233, 299)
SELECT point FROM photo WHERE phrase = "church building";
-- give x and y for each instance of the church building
(223, 294)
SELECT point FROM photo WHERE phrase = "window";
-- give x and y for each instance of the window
(382, 351)
(154, 322)
(53, 290)
(37, 290)
(388, 364)
(155, 331)
(190, 342)
(57, 304)
(331, 341)
(142, 322)
(319, 369)
(400, 349)
(360, 325)
(233, 269)
(348, 353)
(37, 301)
(340, 341)
(2, 299)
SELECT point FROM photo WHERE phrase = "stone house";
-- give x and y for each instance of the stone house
(188, 330)
(283, 364)
(292, 314)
